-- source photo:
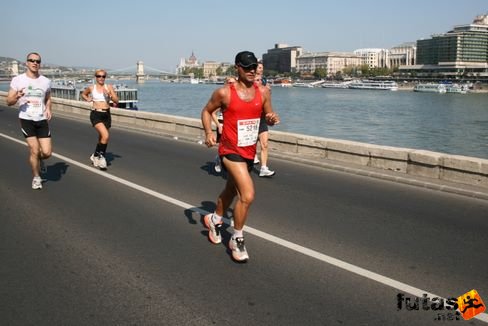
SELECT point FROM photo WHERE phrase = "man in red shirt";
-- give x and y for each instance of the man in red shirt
(242, 104)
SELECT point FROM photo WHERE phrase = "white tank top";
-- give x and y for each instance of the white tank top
(99, 96)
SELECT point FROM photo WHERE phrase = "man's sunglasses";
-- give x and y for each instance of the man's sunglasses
(251, 67)
(100, 76)
(34, 61)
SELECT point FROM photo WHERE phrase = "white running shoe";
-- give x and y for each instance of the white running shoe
(239, 252)
(94, 160)
(256, 159)
(213, 229)
(266, 172)
(37, 183)
(217, 165)
(102, 162)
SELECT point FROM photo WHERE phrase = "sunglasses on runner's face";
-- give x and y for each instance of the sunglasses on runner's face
(100, 76)
(34, 61)
(251, 67)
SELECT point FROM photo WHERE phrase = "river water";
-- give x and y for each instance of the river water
(447, 123)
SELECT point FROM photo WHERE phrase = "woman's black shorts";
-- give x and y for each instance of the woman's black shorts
(101, 116)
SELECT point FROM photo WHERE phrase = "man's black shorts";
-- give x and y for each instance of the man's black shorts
(39, 129)
(238, 158)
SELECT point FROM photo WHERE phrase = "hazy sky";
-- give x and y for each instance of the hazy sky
(115, 34)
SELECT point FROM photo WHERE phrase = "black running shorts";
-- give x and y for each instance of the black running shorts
(237, 158)
(39, 129)
(101, 116)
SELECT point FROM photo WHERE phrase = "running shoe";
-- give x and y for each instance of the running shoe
(217, 165)
(94, 160)
(256, 159)
(102, 162)
(239, 252)
(42, 166)
(266, 172)
(37, 183)
(213, 229)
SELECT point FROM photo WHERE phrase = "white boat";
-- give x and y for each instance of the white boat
(317, 83)
(373, 84)
(281, 82)
(305, 85)
(336, 85)
(457, 89)
(430, 88)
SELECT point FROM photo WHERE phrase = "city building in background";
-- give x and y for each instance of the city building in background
(191, 62)
(403, 55)
(210, 68)
(374, 58)
(332, 62)
(460, 52)
(282, 58)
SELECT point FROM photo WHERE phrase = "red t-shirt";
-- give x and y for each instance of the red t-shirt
(241, 125)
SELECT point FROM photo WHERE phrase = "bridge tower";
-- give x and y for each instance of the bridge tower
(140, 72)
(14, 68)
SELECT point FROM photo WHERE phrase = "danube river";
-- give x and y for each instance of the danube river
(447, 123)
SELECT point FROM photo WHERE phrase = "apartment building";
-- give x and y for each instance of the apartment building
(374, 58)
(210, 68)
(282, 58)
(461, 51)
(333, 62)
(403, 55)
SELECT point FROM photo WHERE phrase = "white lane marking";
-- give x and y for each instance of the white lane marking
(263, 235)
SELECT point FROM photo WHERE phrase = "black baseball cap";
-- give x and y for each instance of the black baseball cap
(246, 59)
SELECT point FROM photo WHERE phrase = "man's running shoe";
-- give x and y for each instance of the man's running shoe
(102, 162)
(94, 160)
(266, 172)
(213, 229)
(42, 166)
(256, 159)
(217, 165)
(239, 252)
(37, 183)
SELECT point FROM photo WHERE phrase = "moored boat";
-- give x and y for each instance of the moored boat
(457, 89)
(336, 85)
(304, 85)
(283, 82)
(430, 88)
(373, 84)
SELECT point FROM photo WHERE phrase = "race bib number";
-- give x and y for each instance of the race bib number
(247, 132)
(33, 99)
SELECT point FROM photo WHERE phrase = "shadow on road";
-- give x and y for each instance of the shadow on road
(209, 168)
(109, 157)
(56, 171)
